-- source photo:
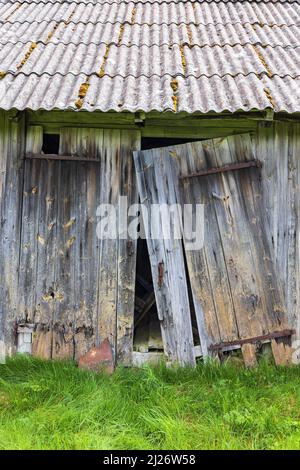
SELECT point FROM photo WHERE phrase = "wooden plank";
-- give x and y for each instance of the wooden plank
(3, 150)
(188, 132)
(82, 119)
(4, 134)
(108, 248)
(281, 352)
(78, 230)
(46, 252)
(165, 125)
(65, 284)
(235, 265)
(62, 342)
(207, 268)
(33, 188)
(86, 244)
(127, 251)
(156, 186)
(279, 146)
(293, 279)
(42, 342)
(242, 270)
(80, 288)
(276, 314)
(11, 209)
(255, 290)
(34, 140)
(29, 240)
(249, 355)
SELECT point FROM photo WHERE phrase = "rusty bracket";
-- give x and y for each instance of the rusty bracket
(46, 156)
(224, 169)
(256, 339)
(161, 274)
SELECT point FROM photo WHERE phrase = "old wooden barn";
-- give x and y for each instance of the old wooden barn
(162, 101)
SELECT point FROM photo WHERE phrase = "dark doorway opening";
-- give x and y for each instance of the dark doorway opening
(147, 334)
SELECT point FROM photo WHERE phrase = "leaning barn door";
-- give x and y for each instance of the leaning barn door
(75, 288)
(236, 292)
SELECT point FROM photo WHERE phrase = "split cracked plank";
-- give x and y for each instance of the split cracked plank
(108, 251)
(127, 251)
(156, 186)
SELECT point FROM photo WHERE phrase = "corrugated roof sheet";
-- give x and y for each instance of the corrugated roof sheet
(183, 55)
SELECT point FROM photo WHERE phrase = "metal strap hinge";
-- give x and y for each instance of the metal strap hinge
(225, 168)
(256, 339)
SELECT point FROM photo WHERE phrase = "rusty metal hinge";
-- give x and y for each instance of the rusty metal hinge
(161, 274)
(224, 169)
(256, 339)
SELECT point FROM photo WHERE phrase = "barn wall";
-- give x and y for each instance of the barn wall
(3, 159)
(11, 152)
(278, 146)
(55, 273)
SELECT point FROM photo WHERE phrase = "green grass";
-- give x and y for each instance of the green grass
(52, 405)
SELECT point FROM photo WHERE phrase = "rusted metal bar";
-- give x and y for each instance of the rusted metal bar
(225, 168)
(161, 273)
(256, 339)
(41, 156)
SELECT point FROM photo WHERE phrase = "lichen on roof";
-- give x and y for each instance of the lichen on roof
(83, 89)
(33, 45)
(102, 68)
(174, 86)
(225, 58)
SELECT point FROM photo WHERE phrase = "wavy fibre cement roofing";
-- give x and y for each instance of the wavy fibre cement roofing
(144, 55)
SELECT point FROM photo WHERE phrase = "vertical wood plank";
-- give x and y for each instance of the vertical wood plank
(246, 297)
(210, 291)
(11, 209)
(249, 355)
(278, 146)
(89, 145)
(34, 139)
(108, 248)
(4, 134)
(130, 141)
(156, 186)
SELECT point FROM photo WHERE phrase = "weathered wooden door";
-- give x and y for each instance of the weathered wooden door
(77, 289)
(236, 291)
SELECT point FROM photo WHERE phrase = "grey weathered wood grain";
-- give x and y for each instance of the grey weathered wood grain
(72, 285)
(108, 248)
(34, 139)
(156, 186)
(278, 148)
(235, 287)
(127, 251)
(11, 209)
